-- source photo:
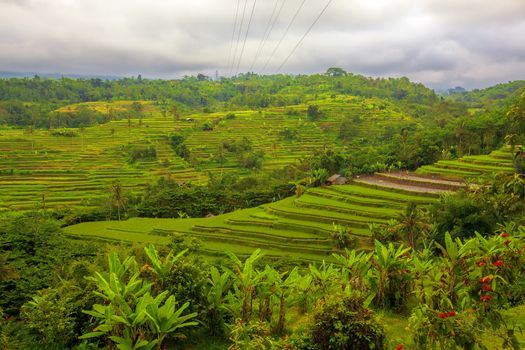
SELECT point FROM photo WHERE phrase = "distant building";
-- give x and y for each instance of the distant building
(336, 180)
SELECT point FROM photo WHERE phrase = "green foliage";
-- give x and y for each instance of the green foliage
(343, 322)
(241, 145)
(289, 134)
(64, 133)
(207, 126)
(34, 247)
(389, 278)
(314, 113)
(251, 160)
(136, 153)
(51, 316)
(462, 215)
(131, 317)
(342, 237)
(254, 335)
(177, 144)
(348, 129)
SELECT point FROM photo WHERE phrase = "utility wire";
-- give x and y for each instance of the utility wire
(284, 35)
(230, 58)
(245, 37)
(238, 36)
(305, 34)
(267, 31)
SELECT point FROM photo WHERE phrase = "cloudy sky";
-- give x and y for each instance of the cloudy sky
(441, 43)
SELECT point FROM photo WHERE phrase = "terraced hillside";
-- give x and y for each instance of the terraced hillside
(40, 168)
(295, 227)
(471, 166)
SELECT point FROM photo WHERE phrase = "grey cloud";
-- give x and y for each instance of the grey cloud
(440, 43)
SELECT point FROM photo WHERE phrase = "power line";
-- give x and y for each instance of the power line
(230, 58)
(284, 35)
(268, 30)
(245, 37)
(238, 36)
(305, 34)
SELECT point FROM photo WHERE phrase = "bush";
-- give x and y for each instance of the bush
(238, 146)
(252, 160)
(289, 134)
(342, 322)
(314, 113)
(177, 144)
(462, 214)
(136, 152)
(207, 126)
(64, 133)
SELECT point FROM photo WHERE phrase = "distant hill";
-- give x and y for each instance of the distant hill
(496, 95)
(7, 75)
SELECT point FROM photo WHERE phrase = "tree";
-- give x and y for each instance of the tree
(348, 129)
(411, 225)
(117, 197)
(313, 113)
(336, 72)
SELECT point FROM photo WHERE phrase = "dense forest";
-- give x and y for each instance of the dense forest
(261, 255)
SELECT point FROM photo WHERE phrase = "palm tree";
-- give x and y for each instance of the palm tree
(117, 197)
(410, 224)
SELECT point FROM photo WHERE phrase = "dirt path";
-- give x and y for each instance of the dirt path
(383, 182)
(428, 179)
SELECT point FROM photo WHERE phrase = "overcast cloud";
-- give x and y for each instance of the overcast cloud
(441, 43)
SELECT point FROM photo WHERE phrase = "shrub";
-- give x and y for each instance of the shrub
(64, 133)
(138, 152)
(342, 322)
(177, 144)
(289, 134)
(207, 126)
(314, 113)
(252, 160)
(237, 146)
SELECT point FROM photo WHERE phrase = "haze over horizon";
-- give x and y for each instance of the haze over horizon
(439, 43)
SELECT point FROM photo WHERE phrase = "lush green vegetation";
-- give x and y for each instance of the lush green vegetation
(150, 214)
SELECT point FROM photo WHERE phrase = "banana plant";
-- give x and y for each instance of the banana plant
(303, 287)
(167, 319)
(246, 278)
(216, 289)
(265, 290)
(162, 267)
(355, 267)
(324, 277)
(389, 274)
(129, 310)
(283, 288)
(123, 304)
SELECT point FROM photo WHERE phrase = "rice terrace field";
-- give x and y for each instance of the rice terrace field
(42, 169)
(60, 170)
(300, 227)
